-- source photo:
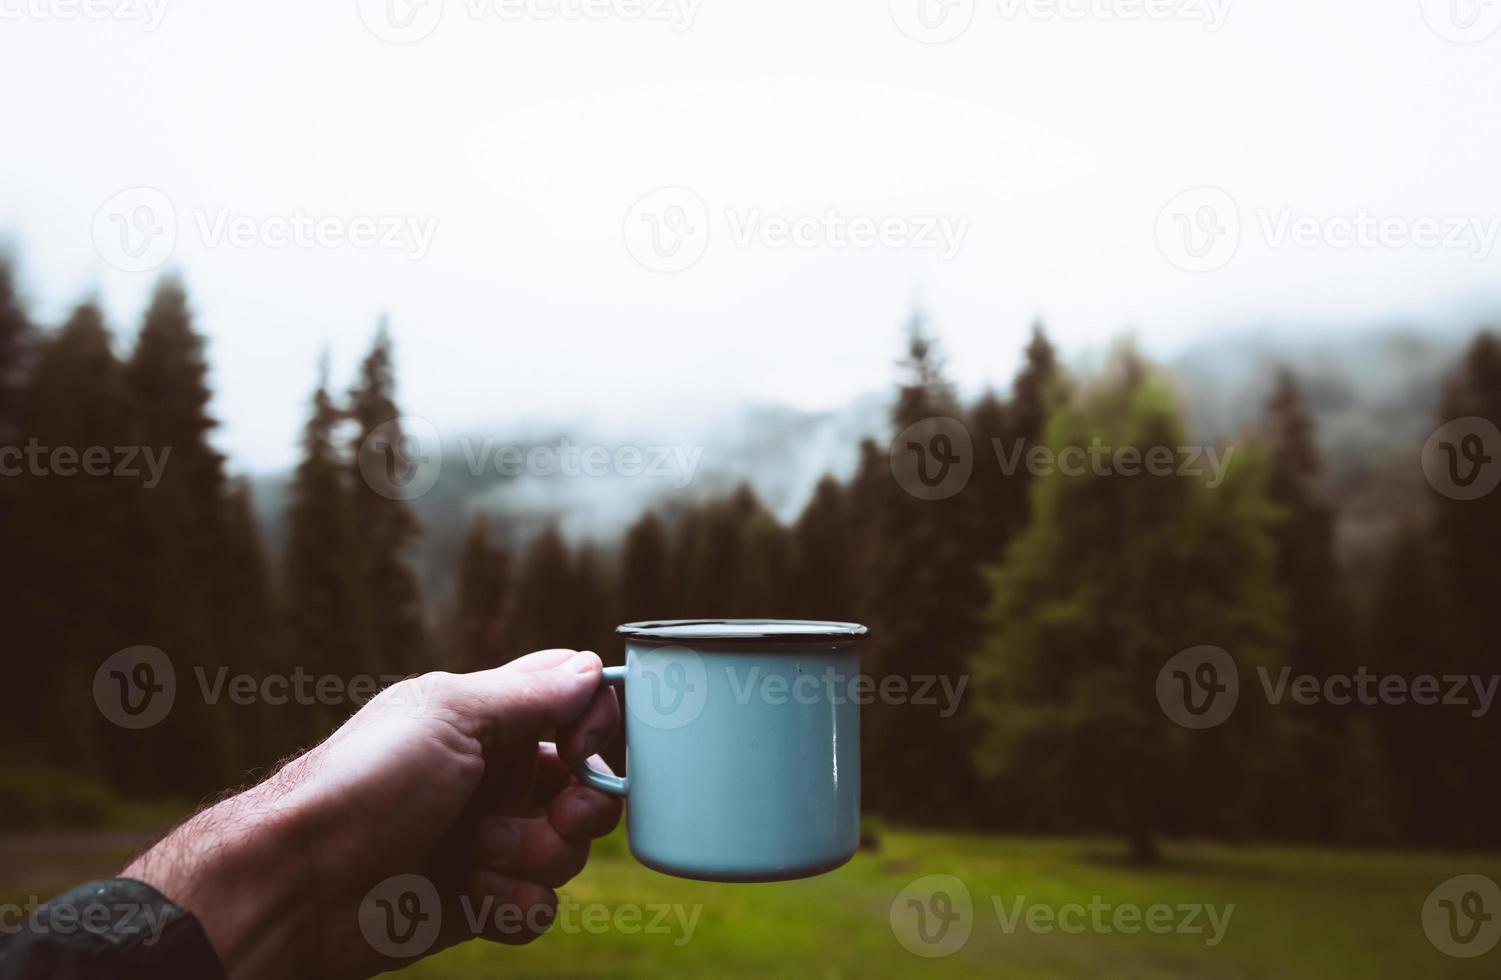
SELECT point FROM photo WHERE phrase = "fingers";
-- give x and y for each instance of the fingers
(526, 697)
(529, 849)
(552, 775)
(508, 910)
(595, 728)
(579, 813)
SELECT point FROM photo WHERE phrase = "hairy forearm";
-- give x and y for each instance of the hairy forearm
(240, 867)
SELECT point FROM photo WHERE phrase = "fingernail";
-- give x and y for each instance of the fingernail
(582, 662)
(500, 839)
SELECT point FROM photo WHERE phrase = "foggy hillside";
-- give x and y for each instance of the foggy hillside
(1372, 394)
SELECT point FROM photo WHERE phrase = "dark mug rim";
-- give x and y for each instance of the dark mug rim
(761, 630)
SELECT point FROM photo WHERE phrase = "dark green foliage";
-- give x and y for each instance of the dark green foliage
(924, 611)
(1441, 598)
(542, 610)
(1062, 597)
(484, 582)
(645, 592)
(327, 616)
(1115, 575)
(824, 549)
(386, 529)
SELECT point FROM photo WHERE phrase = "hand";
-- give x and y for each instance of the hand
(441, 776)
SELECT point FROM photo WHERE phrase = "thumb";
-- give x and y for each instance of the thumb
(530, 695)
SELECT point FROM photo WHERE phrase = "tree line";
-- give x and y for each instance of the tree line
(1058, 597)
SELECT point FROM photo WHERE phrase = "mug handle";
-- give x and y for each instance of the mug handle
(587, 774)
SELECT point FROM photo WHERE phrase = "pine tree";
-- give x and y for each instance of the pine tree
(542, 612)
(1115, 575)
(180, 571)
(1468, 537)
(823, 546)
(251, 636)
(21, 632)
(594, 610)
(327, 611)
(1003, 433)
(388, 531)
(1413, 631)
(1320, 624)
(644, 567)
(924, 609)
(83, 532)
(16, 343)
(484, 583)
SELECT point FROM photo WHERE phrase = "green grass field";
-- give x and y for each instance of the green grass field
(1298, 912)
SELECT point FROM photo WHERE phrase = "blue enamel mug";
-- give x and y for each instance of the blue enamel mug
(742, 747)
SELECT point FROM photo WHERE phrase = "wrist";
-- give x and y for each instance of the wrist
(239, 868)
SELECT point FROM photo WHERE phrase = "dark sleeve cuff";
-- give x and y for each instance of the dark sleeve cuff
(120, 929)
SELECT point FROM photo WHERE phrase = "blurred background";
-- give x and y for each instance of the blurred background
(341, 342)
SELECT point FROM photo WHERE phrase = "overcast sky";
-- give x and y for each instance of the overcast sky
(487, 183)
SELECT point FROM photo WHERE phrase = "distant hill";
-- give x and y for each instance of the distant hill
(1373, 394)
